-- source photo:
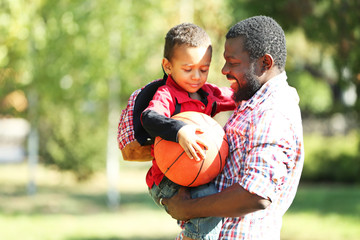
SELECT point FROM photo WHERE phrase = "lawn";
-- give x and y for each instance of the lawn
(63, 209)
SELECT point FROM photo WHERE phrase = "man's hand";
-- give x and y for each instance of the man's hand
(176, 206)
(192, 144)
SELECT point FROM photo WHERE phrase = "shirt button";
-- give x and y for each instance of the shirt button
(202, 107)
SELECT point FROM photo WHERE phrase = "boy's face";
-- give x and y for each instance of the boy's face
(189, 66)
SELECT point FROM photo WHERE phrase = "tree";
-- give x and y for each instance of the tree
(57, 59)
(333, 26)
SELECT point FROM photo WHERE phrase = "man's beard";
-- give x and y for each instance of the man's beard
(252, 86)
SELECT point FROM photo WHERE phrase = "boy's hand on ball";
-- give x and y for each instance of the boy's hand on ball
(201, 133)
(190, 141)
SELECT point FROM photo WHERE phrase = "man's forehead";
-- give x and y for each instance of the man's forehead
(234, 47)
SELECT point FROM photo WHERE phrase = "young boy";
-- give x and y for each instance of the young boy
(187, 57)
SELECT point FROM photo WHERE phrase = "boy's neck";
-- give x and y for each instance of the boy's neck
(195, 95)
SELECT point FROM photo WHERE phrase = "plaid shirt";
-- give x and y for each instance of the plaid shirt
(266, 158)
(125, 133)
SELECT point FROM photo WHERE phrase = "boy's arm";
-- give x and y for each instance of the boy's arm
(157, 122)
(159, 125)
(174, 130)
(156, 117)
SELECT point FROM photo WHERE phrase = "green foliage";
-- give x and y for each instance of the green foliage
(332, 159)
(331, 24)
(315, 95)
(74, 142)
(65, 65)
(334, 24)
(75, 62)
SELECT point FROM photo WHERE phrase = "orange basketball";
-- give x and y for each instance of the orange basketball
(178, 167)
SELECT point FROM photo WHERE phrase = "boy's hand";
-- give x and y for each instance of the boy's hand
(192, 144)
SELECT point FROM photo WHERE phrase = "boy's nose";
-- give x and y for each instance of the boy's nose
(196, 75)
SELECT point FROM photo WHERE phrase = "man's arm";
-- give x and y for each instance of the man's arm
(234, 201)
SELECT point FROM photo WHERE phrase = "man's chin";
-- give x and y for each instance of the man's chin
(239, 95)
(236, 97)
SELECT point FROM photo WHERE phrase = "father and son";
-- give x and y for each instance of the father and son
(262, 172)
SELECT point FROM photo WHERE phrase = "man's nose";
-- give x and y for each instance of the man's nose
(225, 69)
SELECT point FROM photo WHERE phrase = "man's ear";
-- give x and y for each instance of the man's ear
(166, 64)
(267, 62)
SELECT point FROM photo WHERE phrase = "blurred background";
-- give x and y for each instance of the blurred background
(68, 67)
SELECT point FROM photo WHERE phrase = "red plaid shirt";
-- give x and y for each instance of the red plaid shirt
(125, 128)
(266, 158)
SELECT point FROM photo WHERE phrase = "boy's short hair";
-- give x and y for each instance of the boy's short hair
(261, 35)
(187, 34)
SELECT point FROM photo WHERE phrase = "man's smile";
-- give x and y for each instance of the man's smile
(233, 82)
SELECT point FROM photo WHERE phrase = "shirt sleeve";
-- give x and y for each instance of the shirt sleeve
(158, 125)
(162, 102)
(156, 117)
(223, 98)
(271, 157)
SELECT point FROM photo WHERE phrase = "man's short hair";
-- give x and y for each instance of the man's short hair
(262, 35)
(187, 34)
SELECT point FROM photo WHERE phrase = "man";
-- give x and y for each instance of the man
(262, 172)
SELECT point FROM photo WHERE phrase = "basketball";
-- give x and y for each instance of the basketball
(178, 167)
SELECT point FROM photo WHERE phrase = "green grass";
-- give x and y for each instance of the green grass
(63, 209)
(324, 212)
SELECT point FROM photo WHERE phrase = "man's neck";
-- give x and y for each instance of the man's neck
(269, 74)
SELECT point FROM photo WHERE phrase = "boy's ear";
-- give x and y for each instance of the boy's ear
(166, 66)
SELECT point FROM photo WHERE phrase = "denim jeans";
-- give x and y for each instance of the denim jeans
(198, 228)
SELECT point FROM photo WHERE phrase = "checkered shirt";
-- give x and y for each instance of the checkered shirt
(125, 127)
(126, 132)
(266, 158)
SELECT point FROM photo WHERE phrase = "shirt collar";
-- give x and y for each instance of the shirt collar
(180, 94)
(264, 92)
